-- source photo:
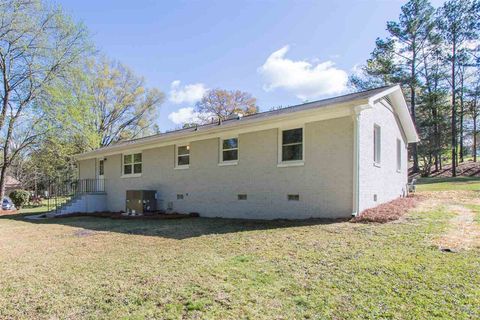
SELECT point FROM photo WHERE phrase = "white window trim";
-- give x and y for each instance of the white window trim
(220, 151)
(295, 163)
(185, 166)
(375, 162)
(131, 175)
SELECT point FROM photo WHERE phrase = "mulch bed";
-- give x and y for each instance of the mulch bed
(386, 212)
(120, 215)
(464, 169)
(8, 212)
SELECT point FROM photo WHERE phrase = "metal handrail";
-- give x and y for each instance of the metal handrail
(61, 193)
(82, 186)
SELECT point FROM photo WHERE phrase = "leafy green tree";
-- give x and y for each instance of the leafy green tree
(38, 43)
(103, 102)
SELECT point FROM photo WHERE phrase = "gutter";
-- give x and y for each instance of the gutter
(244, 123)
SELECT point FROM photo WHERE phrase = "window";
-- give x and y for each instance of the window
(180, 196)
(242, 197)
(377, 141)
(293, 197)
(183, 156)
(132, 163)
(101, 167)
(292, 145)
(399, 155)
(229, 150)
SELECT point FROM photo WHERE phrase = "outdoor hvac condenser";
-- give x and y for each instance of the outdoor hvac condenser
(141, 201)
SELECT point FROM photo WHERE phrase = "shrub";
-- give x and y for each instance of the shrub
(19, 197)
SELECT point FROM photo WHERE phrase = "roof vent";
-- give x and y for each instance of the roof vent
(235, 116)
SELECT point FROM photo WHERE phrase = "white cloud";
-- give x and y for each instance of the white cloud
(185, 115)
(307, 80)
(189, 93)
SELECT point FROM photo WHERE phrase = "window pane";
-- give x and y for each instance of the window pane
(183, 150)
(127, 159)
(137, 157)
(230, 143)
(293, 152)
(101, 168)
(183, 160)
(377, 144)
(230, 155)
(137, 168)
(127, 169)
(292, 136)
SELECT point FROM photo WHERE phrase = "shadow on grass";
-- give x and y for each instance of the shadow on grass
(173, 228)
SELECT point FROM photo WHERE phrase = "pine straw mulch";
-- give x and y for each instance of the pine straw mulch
(121, 215)
(388, 211)
(464, 169)
(8, 212)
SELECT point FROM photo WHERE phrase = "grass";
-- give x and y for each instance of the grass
(93, 268)
(44, 206)
(445, 184)
(476, 209)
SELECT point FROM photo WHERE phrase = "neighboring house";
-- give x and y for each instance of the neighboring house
(325, 159)
(11, 184)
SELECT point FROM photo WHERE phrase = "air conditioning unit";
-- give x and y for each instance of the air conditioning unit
(139, 202)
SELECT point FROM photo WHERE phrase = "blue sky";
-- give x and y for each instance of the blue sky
(282, 52)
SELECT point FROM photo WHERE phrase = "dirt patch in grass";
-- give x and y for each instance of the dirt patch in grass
(463, 233)
(389, 211)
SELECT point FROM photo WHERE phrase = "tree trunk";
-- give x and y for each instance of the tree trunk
(3, 172)
(412, 108)
(474, 147)
(6, 155)
(461, 119)
(436, 136)
(454, 114)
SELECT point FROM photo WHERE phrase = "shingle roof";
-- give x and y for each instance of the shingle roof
(362, 95)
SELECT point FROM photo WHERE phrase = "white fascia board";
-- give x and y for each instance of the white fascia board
(234, 128)
(401, 108)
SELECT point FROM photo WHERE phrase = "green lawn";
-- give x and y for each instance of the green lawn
(442, 184)
(94, 268)
(45, 206)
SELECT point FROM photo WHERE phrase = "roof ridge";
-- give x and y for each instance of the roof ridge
(195, 128)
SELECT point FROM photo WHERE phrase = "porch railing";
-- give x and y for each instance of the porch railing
(88, 186)
(59, 193)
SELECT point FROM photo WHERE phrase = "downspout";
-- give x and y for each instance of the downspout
(356, 155)
(356, 161)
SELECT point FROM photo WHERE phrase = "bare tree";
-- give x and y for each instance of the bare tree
(221, 104)
(37, 44)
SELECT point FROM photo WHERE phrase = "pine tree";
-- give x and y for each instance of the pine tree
(458, 21)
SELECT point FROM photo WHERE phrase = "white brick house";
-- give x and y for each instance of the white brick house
(329, 158)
